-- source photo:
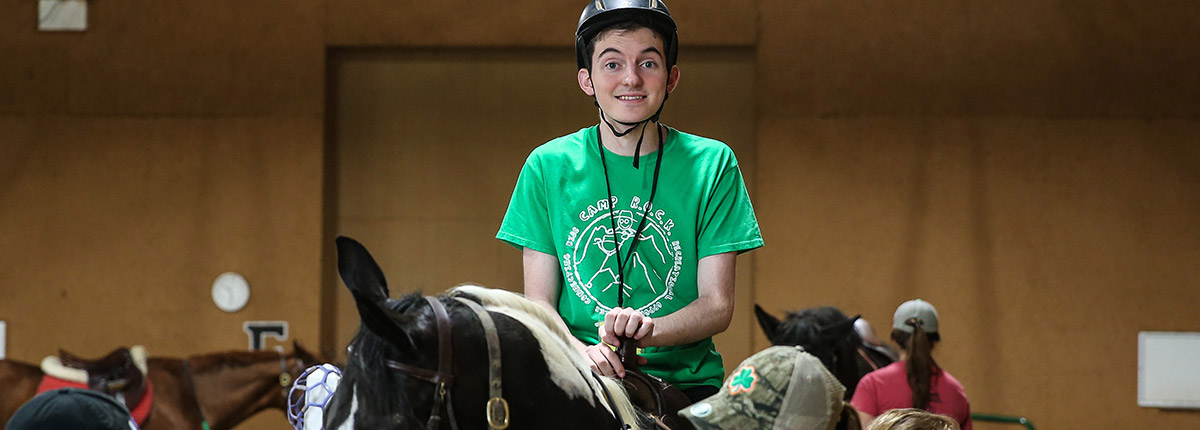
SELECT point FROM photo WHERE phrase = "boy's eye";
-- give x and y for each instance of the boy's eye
(610, 65)
(649, 64)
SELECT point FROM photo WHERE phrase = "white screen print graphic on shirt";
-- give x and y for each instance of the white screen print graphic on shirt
(591, 264)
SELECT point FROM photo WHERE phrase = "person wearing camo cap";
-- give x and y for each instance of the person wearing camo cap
(781, 387)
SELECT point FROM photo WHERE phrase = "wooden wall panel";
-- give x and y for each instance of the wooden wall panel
(1046, 245)
(173, 140)
(523, 23)
(1035, 58)
(169, 57)
(117, 228)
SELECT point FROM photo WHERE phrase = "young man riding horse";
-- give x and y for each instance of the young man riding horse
(629, 228)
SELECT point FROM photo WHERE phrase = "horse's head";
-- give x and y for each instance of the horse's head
(824, 332)
(372, 395)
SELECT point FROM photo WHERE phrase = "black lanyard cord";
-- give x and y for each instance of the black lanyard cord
(612, 218)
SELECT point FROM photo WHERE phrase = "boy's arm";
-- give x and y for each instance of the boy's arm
(542, 285)
(708, 315)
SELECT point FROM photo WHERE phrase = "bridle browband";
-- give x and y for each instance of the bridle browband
(443, 379)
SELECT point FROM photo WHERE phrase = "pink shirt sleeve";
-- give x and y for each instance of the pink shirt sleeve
(865, 398)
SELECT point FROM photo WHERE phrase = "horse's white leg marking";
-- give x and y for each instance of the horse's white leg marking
(349, 423)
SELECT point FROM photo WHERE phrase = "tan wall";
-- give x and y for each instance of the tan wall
(428, 199)
(1046, 245)
(1028, 166)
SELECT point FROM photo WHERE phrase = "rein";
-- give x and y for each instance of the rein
(187, 373)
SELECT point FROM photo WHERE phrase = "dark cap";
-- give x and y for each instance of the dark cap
(71, 408)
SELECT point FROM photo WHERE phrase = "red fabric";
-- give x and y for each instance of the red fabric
(887, 389)
(139, 412)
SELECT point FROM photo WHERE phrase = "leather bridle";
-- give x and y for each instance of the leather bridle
(443, 378)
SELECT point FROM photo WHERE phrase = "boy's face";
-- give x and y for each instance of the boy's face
(629, 76)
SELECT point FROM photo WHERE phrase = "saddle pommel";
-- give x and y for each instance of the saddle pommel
(120, 374)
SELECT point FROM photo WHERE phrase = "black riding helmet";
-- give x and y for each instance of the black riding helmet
(600, 14)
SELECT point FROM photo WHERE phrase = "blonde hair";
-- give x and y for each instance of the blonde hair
(912, 419)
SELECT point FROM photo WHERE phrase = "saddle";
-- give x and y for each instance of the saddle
(651, 394)
(120, 374)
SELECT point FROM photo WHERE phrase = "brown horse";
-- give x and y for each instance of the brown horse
(224, 388)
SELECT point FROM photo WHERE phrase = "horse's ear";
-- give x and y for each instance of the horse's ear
(366, 283)
(359, 271)
(769, 323)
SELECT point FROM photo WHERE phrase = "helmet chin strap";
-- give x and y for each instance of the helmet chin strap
(637, 150)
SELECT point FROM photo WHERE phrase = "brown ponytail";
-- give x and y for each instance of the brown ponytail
(920, 364)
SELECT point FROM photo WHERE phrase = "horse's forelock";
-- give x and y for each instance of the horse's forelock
(361, 381)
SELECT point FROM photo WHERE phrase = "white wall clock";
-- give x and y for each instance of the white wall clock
(230, 292)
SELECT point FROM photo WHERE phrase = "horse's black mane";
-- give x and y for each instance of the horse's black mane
(371, 348)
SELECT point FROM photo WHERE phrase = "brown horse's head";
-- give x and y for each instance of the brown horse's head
(231, 386)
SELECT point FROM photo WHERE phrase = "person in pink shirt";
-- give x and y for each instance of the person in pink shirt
(916, 381)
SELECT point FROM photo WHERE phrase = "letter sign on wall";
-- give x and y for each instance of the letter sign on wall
(259, 330)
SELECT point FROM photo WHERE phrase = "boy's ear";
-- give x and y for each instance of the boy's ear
(672, 79)
(585, 82)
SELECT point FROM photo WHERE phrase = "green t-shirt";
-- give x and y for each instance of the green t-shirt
(561, 207)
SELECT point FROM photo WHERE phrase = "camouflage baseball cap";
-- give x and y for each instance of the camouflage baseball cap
(781, 387)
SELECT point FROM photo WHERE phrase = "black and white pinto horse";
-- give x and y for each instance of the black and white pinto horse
(828, 334)
(433, 362)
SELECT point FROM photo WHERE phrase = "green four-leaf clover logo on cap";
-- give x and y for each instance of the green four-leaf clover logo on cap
(743, 381)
